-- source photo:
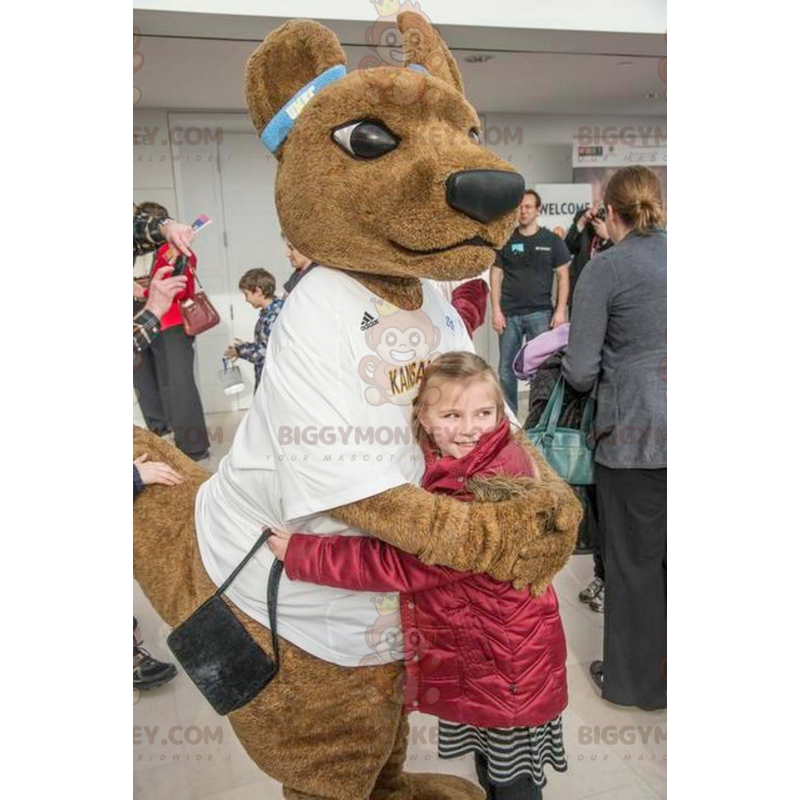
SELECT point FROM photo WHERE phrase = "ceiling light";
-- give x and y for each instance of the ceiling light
(478, 58)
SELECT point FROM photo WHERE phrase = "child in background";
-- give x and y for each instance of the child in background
(487, 659)
(258, 286)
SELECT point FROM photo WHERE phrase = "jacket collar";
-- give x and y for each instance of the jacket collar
(439, 467)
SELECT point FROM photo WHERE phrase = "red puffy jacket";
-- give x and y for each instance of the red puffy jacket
(477, 651)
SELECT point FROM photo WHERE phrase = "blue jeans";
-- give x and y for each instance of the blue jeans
(519, 329)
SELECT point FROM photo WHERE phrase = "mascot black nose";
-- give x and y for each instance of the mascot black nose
(485, 194)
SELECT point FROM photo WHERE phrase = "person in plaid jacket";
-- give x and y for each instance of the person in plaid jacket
(149, 233)
(258, 286)
(147, 323)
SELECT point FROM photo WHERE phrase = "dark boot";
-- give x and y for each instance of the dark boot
(522, 789)
(482, 768)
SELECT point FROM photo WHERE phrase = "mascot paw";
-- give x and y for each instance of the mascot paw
(430, 786)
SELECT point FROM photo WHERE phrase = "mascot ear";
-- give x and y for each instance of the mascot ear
(288, 59)
(422, 45)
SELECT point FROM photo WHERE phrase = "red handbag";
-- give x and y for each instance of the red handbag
(197, 312)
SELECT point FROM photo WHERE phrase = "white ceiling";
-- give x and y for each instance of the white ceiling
(196, 62)
(203, 74)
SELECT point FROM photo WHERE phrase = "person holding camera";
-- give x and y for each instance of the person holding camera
(588, 235)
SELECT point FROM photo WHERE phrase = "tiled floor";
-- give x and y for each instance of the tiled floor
(187, 751)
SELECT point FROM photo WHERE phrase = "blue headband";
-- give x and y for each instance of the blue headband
(274, 135)
(278, 129)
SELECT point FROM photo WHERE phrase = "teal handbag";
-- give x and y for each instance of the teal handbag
(566, 449)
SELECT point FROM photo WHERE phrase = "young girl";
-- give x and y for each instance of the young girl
(487, 659)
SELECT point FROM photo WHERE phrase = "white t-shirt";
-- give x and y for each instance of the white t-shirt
(329, 425)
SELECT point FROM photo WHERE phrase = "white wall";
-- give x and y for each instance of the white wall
(543, 151)
(152, 174)
(634, 16)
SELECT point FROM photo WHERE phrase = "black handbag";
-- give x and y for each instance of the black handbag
(219, 655)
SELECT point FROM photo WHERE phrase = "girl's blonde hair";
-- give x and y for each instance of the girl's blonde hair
(456, 366)
(635, 194)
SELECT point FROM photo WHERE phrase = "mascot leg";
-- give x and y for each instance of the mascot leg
(395, 784)
(164, 540)
(322, 730)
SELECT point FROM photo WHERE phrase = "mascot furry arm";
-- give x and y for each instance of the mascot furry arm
(417, 210)
(526, 539)
(470, 302)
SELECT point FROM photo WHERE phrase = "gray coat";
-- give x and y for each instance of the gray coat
(618, 338)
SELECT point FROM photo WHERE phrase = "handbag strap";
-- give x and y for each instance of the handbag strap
(259, 543)
(587, 419)
(272, 605)
(552, 413)
(272, 588)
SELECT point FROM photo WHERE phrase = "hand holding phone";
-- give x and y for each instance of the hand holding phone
(201, 222)
(181, 265)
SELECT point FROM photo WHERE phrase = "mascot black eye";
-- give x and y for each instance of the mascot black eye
(365, 139)
(475, 136)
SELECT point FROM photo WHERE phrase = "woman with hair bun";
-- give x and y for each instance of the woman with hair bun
(618, 343)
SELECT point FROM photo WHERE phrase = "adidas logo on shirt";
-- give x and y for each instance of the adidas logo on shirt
(368, 321)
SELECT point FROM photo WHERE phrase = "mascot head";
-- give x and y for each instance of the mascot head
(382, 170)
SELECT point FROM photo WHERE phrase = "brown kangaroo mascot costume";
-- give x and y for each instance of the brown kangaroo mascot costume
(382, 180)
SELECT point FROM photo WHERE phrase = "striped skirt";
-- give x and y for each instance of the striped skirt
(511, 753)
